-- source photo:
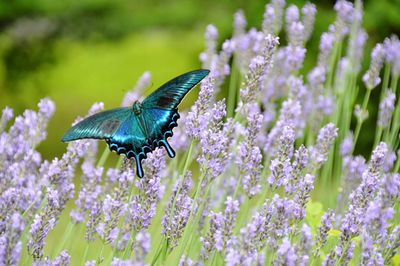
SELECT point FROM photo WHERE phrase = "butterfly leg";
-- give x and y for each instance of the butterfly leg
(139, 169)
(170, 151)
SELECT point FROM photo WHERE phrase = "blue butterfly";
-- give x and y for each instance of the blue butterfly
(138, 130)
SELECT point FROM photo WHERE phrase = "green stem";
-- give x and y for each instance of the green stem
(103, 157)
(360, 121)
(100, 257)
(394, 130)
(232, 88)
(66, 237)
(385, 83)
(84, 257)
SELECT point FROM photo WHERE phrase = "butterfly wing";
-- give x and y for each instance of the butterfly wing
(131, 139)
(169, 95)
(102, 125)
(120, 128)
(159, 124)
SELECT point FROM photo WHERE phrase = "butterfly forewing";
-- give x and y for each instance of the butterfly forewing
(102, 125)
(169, 95)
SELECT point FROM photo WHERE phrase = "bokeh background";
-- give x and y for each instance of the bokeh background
(81, 52)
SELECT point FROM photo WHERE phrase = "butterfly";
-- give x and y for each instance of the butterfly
(140, 129)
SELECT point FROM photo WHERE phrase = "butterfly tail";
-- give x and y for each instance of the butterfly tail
(167, 146)
(139, 168)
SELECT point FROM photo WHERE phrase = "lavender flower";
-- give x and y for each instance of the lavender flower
(211, 36)
(286, 254)
(258, 68)
(292, 15)
(112, 209)
(10, 243)
(135, 94)
(359, 198)
(305, 245)
(142, 207)
(90, 192)
(141, 247)
(302, 195)
(280, 167)
(325, 48)
(214, 142)
(308, 12)
(392, 54)
(290, 115)
(393, 243)
(198, 116)
(386, 108)
(6, 116)
(326, 137)
(345, 12)
(177, 211)
(299, 165)
(221, 228)
(323, 229)
(371, 78)
(278, 5)
(249, 156)
(268, 19)
(296, 36)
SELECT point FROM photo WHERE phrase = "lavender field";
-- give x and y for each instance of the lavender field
(269, 175)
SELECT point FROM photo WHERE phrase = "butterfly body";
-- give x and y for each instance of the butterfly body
(138, 130)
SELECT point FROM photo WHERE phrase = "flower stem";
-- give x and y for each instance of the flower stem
(103, 157)
(232, 88)
(360, 121)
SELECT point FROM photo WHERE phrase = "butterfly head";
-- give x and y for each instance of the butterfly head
(137, 108)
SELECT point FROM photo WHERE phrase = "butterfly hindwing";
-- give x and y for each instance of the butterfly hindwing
(169, 95)
(98, 126)
(130, 139)
(159, 124)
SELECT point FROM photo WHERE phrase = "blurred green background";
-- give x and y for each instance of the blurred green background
(80, 52)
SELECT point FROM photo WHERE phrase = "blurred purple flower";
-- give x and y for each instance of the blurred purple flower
(308, 12)
(392, 53)
(386, 108)
(137, 91)
(325, 140)
(371, 77)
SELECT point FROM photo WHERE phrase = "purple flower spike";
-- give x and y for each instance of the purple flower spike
(386, 108)
(221, 229)
(135, 94)
(249, 156)
(326, 137)
(286, 254)
(6, 116)
(174, 223)
(392, 53)
(371, 78)
(308, 12)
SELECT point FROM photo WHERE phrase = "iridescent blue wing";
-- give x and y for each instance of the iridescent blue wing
(102, 125)
(169, 95)
(159, 124)
(131, 139)
(120, 128)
